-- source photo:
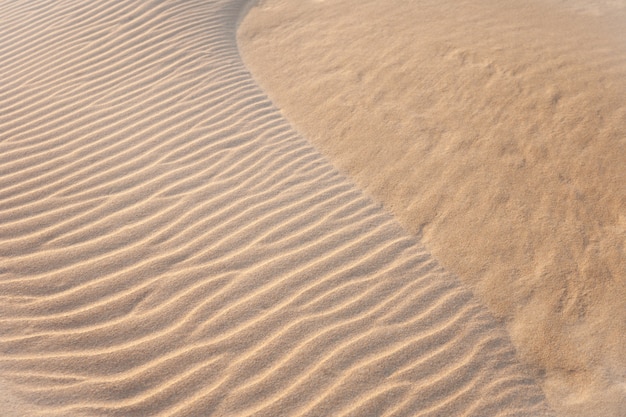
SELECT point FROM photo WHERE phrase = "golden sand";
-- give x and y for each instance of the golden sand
(171, 246)
(495, 131)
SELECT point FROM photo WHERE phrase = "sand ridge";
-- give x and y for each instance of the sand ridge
(171, 246)
(496, 132)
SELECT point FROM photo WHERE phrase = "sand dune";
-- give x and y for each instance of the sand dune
(169, 245)
(495, 131)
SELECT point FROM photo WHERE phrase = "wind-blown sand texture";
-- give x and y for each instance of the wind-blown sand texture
(170, 246)
(496, 132)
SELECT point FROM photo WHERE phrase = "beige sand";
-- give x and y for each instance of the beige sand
(496, 132)
(170, 246)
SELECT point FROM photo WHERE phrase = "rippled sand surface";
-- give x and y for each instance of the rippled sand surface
(495, 132)
(170, 245)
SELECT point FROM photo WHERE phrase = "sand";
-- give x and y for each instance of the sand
(495, 132)
(172, 243)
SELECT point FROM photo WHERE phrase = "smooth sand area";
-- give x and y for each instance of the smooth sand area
(495, 131)
(171, 246)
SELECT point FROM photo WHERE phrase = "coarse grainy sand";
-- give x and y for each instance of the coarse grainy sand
(495, 132)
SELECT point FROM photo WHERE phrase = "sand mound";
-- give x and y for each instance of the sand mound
(496, 132)
(169, 245)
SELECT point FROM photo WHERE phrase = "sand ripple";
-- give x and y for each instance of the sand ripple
(169, 245)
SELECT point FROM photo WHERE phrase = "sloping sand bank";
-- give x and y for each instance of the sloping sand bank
(170, 246)
(494, 130)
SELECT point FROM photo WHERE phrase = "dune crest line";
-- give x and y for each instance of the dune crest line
(171, 246)
(495, 131)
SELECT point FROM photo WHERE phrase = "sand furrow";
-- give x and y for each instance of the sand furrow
(169, 245)
(494, 132)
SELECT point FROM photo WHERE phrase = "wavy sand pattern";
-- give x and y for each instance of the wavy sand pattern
(495, 130)
(170, 246)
